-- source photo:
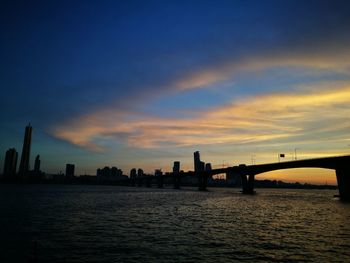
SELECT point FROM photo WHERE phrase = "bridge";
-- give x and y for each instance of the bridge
(247, 173)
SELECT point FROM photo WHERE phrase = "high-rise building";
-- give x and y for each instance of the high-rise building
(198, 165)
(10, 164)
(24, 165)
(197, 160)
(139, 172)
(208, 167)
(70, 170)
(176, 167)
(133, 173)
(37, 164)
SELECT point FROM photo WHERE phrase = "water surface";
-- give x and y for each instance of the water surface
(56, 223)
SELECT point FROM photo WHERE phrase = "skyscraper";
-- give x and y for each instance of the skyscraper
(176, 167)
(197, 160)
(133, 173)
(37, 164)
(24, 165)
(70, 170)
(139, 172)
(198, 164)
(10, 162)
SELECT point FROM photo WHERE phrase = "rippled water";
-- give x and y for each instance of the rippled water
(122, 224)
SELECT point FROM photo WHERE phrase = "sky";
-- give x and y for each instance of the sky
(145, 83)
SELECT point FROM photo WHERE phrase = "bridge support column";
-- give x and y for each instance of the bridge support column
(160, 181)
(343, 179)
(202, 182)
(176, 182)
(248, 184)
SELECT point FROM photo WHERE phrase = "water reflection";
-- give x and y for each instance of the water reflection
(112, 224)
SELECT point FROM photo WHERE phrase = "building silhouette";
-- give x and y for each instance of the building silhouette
(158, 172)
(176, 167)
(24, 165)
(208, 167)
(139, 172)
(115, 171)
(10, 164)
(198, 164)
(109, 172)
(133, 173)
(37, 164)
(70, 170)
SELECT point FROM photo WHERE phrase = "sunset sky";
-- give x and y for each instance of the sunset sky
(145, 83)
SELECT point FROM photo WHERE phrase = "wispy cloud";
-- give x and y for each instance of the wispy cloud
(274, 118)
(334, 60)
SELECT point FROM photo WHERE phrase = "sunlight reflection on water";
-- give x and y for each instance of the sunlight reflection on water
(122, 224)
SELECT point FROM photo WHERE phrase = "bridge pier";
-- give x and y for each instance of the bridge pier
(248, 184)
(343, 179)
(202, 182)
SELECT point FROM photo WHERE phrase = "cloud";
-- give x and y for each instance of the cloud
(106, 58)
(203, 50)
(303, 116)
(334, 60)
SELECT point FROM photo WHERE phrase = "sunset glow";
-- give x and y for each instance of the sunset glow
(134, 86)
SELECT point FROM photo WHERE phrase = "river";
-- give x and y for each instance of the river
(75, 223)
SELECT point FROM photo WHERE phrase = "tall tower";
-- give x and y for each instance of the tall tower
(197, 160)
(70, 170)
(198, 164)
(133, 173)
(176, 167)
(24, 165)
(37, 164)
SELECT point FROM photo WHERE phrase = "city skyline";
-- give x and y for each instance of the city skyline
(113, 174)
(141, 84)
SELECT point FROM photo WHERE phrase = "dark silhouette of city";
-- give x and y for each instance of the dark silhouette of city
(236, 176)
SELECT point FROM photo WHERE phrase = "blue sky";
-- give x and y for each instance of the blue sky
(144, 83)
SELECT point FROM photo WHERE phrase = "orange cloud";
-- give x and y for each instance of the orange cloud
(277, 118)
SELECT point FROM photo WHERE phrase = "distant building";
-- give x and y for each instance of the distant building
(139, 172)
(198, 164)
(24, 165)
(109, 172)
(176, 167)
(109, 175)
(70, 170)
(133, 173)
(37, 164)
(106, 171)
(158, 172)
(116, 172)
(10, 164)
(208, 166)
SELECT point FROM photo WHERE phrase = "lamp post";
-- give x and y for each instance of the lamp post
(253, 159)
(295, 153)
